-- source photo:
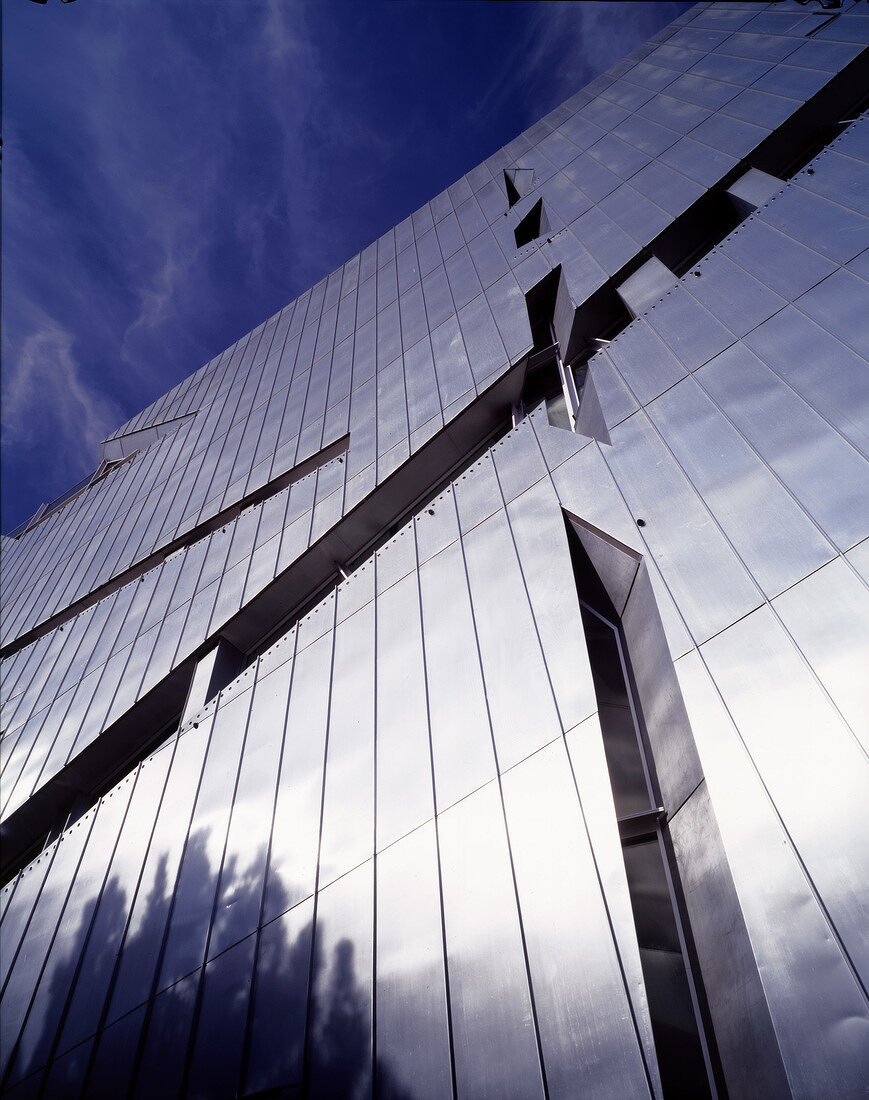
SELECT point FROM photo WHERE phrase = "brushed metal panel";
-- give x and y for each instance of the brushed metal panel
(744, 1035)
(296, 828)
(732, 295)
(587, 1033)
(347, 836)
(460, 734)
(196, 885)
(18, 899)
(646, 364)
(436, 526)
(477, 493)
(396, 558)
(518, 461)
(123, 867)
(819, 1015)
(839, 305)
(688, 328)
(771, 695)
(40, 935)
(827, 227)
(706, 579)
(340, 1014)
(772, 535)
(164, 1042)
(49, 1000)
(451, 361)
(150, 905)
(591, 776)
(676, 763)
(859, 559)
(787, 267)
(648, 284)
(65, 1075)
(537, 527)
(486, 353)
(822, 470)
(239, 893)
(405, 795)
(827, 615)
(276, 1026)
(218, 1042)
(494, 1040)
(605, 388)
(518, 693)
(413, 1051)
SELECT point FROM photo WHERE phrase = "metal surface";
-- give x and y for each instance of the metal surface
(385, 857)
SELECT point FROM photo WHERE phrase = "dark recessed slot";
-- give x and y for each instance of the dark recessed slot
(543, 383)
(816, 123)
(600, 318)
(621, 745)
(513, 195)
(697, 231)
(815, 142)
(517, 182)
(543, 380)
(533, 225)
(674, 1024)
(540, 303)
(650, 869)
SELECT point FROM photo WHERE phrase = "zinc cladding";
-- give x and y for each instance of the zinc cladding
(405, 335)
(425, 706)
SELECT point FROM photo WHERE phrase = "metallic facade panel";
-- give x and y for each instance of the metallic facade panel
(651, 479)
(820, 1023)
(383, 855)
(413, 1046)
(826, 615)
(570, 955)
(766, 527)
(825, 764)
(494, 1036)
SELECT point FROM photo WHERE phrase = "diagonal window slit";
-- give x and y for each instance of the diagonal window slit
(535, 224)
(173, 702)
(673, 991)
(517, 182)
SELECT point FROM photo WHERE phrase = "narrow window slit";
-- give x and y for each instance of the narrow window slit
(534, 225)
(649, 867)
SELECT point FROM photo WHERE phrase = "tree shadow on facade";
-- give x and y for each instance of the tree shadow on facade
(242, 1025)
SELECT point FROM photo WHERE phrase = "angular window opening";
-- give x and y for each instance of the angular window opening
(661, 926)
(800, 138)
(513, 195)
(697, 231)
(752, 190)
(546, 377)
(217, 668)
(648, 284)
(46, 510)
(517, 182)
(533, 225)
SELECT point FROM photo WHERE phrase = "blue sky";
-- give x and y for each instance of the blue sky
(175, 171)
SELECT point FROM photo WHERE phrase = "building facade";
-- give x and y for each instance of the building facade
(458, 687)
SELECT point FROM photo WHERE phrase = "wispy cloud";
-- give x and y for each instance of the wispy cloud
(49, 404)
(568, 44)
(151, 220)
(176, 172)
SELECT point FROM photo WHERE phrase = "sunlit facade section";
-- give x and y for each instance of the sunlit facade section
(458, 686)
